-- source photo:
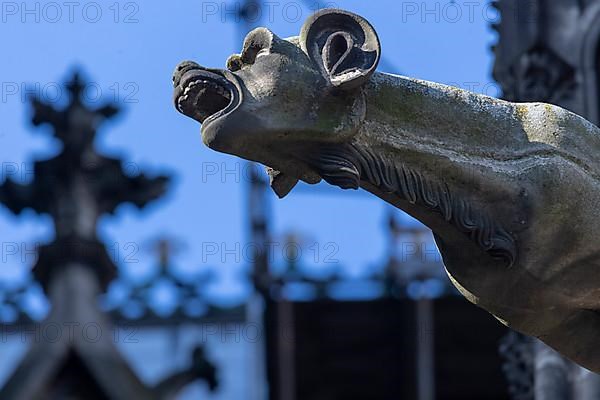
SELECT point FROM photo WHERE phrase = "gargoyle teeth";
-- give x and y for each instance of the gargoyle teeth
(220, 90)
(202, 98)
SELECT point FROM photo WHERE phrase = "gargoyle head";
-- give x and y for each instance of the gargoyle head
(282, 93)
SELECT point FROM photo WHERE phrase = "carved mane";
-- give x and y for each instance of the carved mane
(348, 164)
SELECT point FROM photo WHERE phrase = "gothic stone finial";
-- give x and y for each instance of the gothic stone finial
(78, 185)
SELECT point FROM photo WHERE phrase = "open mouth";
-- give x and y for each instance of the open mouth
(202, 94)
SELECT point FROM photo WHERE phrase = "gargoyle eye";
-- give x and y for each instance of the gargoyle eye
(258, 42)
(262, 52)
(250, 54)
(237, 61)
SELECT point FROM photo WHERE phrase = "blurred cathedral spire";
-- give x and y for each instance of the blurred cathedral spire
(76, 187)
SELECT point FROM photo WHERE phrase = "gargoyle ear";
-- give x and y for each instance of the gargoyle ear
(344, 45)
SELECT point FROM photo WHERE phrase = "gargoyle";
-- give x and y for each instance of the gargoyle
(511, 191)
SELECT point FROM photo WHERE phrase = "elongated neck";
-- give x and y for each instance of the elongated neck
(423, 148)
(432, 118)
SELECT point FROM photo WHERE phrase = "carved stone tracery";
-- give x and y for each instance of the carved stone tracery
(539, 75)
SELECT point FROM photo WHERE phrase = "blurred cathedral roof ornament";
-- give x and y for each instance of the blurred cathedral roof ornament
(14, 302)
(167, 296)
(76, 187)
(413, 269)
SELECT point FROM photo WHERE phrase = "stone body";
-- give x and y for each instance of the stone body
(547, 51)
(509, 190)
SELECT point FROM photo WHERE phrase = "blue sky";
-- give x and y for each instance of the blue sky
(129, 50)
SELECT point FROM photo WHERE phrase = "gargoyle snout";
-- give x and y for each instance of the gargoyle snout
(181, 69)
(201, 93)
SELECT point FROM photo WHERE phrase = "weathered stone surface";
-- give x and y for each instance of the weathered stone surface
(509, 190)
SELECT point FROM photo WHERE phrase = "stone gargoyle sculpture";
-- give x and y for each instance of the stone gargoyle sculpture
(511, 191)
